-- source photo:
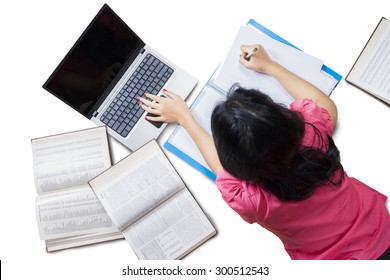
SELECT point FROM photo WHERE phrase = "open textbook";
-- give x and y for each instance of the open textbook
(371, 70)
(68, 212)
(231, 72)
(152, 207)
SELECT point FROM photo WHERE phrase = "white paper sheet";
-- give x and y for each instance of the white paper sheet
(302, 64)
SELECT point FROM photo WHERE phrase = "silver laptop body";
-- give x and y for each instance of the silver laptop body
(104, 73)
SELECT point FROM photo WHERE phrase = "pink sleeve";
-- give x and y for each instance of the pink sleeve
(236, 195)
(314, 114)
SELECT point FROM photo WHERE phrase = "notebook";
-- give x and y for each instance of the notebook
(230, 72)
(105, 72)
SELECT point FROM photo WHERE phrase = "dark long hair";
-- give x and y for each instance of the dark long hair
(258, 140)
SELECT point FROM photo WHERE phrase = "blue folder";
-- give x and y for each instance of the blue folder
(203, 169)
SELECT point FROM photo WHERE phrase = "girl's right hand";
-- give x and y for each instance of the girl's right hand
(259, 61)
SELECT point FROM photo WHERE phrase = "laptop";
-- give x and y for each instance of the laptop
(105, 72)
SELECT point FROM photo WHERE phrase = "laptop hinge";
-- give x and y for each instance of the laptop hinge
(95, 114)
(142, 50)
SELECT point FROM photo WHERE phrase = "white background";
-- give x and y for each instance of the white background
(35, 35)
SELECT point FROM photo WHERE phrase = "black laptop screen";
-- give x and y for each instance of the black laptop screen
(91, 67)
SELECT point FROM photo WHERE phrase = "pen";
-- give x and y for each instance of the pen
(249, 55)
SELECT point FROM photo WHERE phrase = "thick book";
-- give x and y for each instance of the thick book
(370, 72)
(230, 72)
(68, 212)
(150, 204)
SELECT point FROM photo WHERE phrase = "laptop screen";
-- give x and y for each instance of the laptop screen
(95, 62)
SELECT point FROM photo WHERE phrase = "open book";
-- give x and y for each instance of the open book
(150, 204)
(68, 212)
(231, 71)
(370, 71)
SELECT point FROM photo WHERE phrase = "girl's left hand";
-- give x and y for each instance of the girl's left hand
(170, 109)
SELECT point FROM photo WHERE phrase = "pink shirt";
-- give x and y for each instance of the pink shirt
(349, 221)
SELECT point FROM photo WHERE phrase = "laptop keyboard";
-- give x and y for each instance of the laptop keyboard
(124, 111)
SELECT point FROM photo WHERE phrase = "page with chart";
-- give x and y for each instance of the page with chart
(68, 212)
(74, 211)
(69, 159)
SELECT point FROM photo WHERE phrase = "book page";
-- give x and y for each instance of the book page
(70, 159)
(136, 185)
(371, 71)
(71, 212)
(171, 230)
